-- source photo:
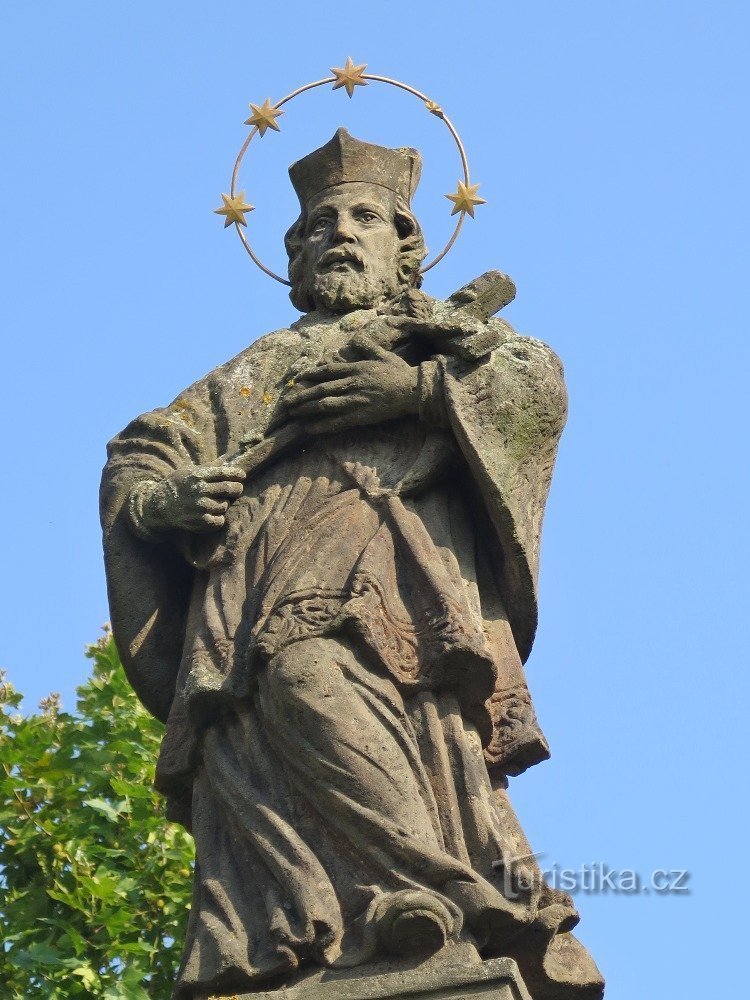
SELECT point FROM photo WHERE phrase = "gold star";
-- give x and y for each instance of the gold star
(434, 108)
(264, 117)
(465, 199)
(349, 76)
(234, 209)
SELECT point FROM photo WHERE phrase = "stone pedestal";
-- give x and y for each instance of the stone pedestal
(497, 979)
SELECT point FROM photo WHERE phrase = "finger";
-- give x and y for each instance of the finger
(401, 322)
(429, 328)
(327, 372)
(330, 425)
(367, 348)
(338, 404)
(221, 489)
(212, 473)
(337, 388)
(278, 420)
(210, 505)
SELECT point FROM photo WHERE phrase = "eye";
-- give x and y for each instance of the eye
(365, 215)
(320, 224)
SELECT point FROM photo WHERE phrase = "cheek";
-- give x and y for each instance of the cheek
(312, 251)
(384, 249)
(307, 261)
(313, 245)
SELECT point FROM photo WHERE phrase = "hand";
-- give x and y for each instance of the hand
(194, 499)
(463, 336)
(342, 394)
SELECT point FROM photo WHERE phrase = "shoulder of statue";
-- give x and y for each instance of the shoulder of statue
(248, 375)
(521, 376)
(525, 352)
(283, 339)
(258, 358)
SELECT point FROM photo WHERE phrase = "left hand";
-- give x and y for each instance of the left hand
(341, 394)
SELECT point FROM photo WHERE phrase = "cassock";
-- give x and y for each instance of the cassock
(340, 667)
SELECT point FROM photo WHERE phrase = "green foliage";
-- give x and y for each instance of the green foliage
(94, 882)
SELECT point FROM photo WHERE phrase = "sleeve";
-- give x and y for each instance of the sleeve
(149, 582)
(507, 414)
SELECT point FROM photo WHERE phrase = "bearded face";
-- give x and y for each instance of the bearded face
(351, 249)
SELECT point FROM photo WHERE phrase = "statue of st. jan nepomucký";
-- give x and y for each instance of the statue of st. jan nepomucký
(334, 634)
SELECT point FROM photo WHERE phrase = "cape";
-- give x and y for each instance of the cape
(506, 412)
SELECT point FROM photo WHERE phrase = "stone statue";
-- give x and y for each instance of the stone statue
(322, 563)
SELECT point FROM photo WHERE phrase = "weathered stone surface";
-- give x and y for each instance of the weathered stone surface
(322, 564)
(498, 979)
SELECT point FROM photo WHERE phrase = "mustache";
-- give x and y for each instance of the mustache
(337, 255)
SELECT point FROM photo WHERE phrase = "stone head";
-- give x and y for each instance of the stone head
(356, 243)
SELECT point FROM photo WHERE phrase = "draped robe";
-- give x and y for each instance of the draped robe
(341, 665)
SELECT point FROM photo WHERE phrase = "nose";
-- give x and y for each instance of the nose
(343, 231)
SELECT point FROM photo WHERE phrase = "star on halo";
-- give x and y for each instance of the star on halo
(234, 209)
(349, 76)
(465, 199)
(264, 117)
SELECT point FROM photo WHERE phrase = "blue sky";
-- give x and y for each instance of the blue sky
(610, 140)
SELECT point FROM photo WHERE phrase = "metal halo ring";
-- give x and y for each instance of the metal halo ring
(432, 107)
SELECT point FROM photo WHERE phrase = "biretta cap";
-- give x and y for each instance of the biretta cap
(346, 160)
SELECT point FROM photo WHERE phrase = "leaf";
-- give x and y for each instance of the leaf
(87, 974)
(131, 789)
(103, 807)
(127, 989)
(36, 955)
(80, 880)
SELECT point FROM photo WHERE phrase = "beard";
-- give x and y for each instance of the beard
(352, 284)
(342, 291)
